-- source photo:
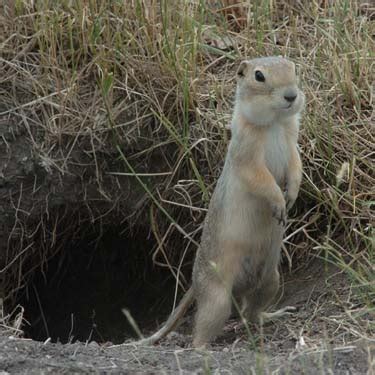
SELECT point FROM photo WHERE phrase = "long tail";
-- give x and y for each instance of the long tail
(172, 322)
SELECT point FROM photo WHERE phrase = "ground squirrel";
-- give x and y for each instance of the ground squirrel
(242, 234)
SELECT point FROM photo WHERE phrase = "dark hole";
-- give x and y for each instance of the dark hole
(83, 289)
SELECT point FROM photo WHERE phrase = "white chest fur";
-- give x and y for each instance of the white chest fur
(276, 152)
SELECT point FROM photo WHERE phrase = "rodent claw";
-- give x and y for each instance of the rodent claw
(279, 215)
(282, 221)
(289, 203)
(290, 309)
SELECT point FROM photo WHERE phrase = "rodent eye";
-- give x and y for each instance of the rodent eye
(259, 76)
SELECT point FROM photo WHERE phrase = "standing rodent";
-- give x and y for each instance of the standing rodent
(242, 234)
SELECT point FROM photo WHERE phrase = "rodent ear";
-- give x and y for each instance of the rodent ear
(241, 71)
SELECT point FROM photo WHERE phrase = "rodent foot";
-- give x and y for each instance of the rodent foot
(285, 311)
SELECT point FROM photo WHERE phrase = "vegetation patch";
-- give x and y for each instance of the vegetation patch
(115, 114)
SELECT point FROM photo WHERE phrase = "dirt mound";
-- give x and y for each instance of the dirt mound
(294, 345)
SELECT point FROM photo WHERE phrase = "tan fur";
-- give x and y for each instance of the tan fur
(242, 234)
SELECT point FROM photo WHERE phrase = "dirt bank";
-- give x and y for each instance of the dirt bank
(314, 340)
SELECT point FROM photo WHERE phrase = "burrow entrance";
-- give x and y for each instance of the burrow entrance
(82, 291)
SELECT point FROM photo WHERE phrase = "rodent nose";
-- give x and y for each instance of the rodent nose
(290, 98)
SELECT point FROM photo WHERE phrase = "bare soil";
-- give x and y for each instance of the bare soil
(318, 339)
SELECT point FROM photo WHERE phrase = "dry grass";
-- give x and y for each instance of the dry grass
(129, 80)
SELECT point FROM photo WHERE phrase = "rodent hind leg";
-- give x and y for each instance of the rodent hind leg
(213, 310)
(257, 302)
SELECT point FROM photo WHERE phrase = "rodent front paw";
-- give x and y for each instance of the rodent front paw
(279, 212)
(290, 197)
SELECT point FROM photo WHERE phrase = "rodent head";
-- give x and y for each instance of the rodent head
(267, 90)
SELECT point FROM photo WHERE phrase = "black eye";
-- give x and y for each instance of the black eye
(259, 76)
